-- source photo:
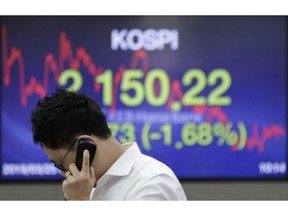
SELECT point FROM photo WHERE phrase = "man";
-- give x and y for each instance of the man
(118, 171)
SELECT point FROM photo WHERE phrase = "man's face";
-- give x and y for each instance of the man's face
(61, 158)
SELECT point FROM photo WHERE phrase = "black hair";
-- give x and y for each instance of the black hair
(58, 119)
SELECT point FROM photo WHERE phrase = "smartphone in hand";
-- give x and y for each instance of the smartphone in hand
(90, 146)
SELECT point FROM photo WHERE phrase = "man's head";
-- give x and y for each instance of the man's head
(60, 118)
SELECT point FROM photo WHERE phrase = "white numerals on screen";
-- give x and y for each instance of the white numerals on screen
(269, 167)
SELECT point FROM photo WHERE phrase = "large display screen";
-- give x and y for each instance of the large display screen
(205, 95)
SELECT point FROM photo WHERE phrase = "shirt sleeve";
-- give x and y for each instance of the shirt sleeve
(158, 187)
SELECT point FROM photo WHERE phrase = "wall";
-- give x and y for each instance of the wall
(196, 190)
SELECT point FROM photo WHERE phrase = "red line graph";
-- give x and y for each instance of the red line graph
(258, 140)
(139, 60)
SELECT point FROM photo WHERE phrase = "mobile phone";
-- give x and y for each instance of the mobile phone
(90, 146)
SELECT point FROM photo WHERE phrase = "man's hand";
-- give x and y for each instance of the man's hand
(79, 184)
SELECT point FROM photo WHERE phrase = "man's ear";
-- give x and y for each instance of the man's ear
(85, 137)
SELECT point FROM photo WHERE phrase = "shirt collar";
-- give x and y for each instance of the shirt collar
(126, 161)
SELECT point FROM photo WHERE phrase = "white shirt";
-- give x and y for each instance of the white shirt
(135, 176)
